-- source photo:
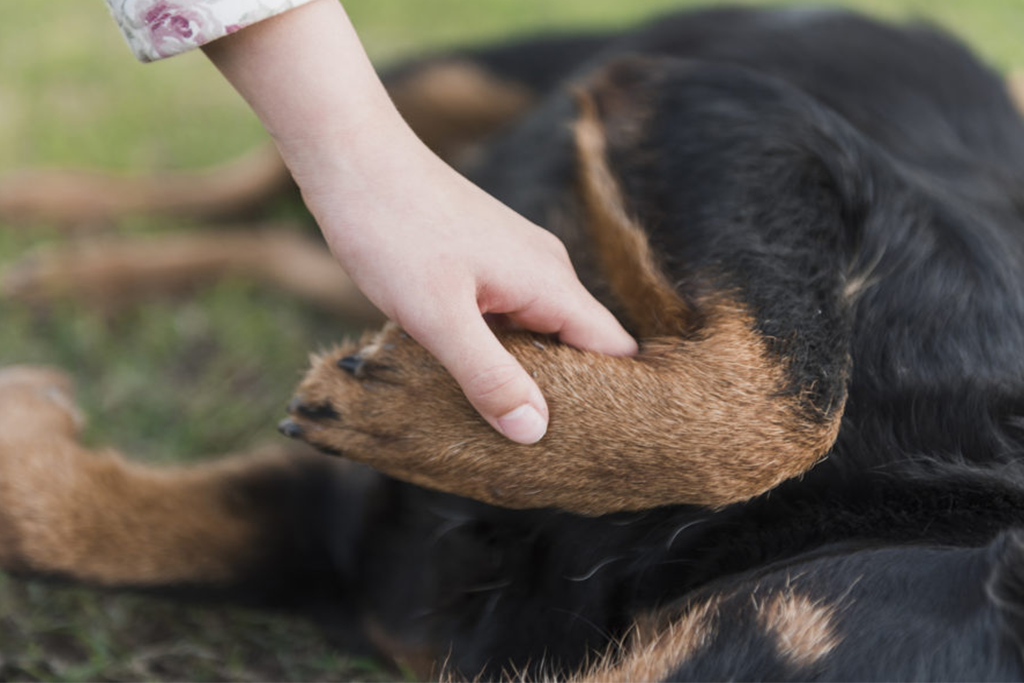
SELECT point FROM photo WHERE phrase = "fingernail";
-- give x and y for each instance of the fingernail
(524, 424)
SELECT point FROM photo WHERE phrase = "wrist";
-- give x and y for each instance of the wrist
(331, 146)
(307, 78)
(365, 186)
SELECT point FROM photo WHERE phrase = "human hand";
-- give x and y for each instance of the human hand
(430, 249)
(435, 253)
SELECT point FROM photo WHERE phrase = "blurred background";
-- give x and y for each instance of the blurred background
(184, 379)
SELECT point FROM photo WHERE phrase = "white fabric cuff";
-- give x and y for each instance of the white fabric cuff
(156, 29)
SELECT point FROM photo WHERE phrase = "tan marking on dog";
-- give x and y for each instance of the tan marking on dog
(686, 421)
(452, 105)
(92, 516)
(38, 400)
(856, 285)
(803, 629)
(656, 647)
(1015, 86)
(90, 198)
(113, 273)
(651, 302)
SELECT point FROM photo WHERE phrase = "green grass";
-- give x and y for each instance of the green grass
(181, 380)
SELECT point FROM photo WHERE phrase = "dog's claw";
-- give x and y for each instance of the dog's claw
(351, 364)
(290, 429)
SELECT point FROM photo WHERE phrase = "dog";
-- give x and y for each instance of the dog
(813, 222)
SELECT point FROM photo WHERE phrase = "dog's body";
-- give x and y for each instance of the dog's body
(816, 224)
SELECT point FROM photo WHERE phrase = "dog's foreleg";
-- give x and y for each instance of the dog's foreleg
(77, 198)
(115, 272)
(250, 523)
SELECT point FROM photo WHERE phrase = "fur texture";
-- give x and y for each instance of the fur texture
(816, 223)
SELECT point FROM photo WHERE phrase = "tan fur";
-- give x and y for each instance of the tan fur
(112, 273)
(1015, 85)
(696, 421)
(652, 304)
(860, 281)
(657, 648)
(81, 197)
(803, 629)
(94, 517)
(37, 400)
(454, 104)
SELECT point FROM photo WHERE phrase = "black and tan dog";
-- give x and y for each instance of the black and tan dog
(814, 468)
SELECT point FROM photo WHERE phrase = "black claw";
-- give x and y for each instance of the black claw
(290, 429)
(312, 411)
(351, 364)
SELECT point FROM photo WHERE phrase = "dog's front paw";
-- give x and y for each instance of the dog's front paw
(387, 402)
(40, 460)
(37, 400)
(386, 392)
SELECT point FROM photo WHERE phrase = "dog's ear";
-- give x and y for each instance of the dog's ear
(624, 96)
(613, 110)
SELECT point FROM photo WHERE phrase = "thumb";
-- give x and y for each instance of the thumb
(492, 379)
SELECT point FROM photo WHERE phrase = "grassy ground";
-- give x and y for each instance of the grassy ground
(179, 380)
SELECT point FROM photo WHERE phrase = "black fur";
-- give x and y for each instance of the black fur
(791, 152)
(790, 156)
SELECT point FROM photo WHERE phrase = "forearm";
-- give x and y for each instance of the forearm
(308, 79)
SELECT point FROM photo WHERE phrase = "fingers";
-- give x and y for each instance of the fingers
(592, 327)
(561, 306)
(579, 320)
(492, 379)
(494, 382)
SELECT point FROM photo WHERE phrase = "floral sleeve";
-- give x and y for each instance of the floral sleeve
(160, 28)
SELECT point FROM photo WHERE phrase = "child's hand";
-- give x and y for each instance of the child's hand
(434, 253)
(432, 250)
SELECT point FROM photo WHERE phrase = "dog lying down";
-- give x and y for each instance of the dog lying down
(812, 470)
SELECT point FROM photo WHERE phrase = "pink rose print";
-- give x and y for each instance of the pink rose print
(173, 29)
